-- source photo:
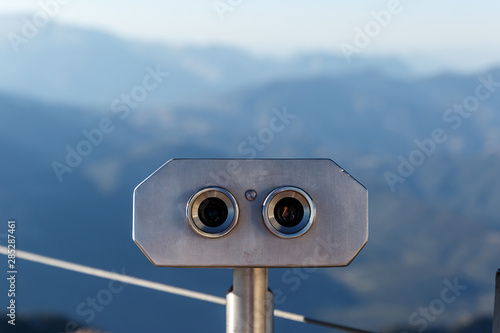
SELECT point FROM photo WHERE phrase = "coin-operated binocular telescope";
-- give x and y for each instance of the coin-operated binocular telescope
(250, 215)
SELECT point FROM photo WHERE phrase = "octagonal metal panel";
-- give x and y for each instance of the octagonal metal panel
(162, 232)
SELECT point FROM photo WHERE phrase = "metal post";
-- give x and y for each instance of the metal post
(496, 319)
(250, 304)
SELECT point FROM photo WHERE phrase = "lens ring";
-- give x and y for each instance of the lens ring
(295, 220)
(212, 212)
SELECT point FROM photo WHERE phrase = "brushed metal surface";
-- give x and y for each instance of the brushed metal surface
(162, 232)
(250, 304)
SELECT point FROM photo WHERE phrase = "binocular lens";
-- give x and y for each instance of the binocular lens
(288, 212)
(212, 212)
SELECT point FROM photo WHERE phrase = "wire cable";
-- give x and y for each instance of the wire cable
(33, 257)
(115, 276)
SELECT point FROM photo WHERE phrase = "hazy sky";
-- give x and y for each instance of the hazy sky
(462, 34)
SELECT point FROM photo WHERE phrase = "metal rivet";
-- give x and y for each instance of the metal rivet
(251, 195)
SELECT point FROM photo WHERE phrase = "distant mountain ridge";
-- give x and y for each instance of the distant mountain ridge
(54, 66)
(441, 223)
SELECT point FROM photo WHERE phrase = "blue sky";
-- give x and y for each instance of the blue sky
(461, 34)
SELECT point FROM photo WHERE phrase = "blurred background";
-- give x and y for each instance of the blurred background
(405, 95)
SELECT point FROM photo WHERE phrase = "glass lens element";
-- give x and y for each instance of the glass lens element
(289, 212)
(213, 212)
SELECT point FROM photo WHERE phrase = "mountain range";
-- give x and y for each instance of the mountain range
(439, 225)
(83, 67)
